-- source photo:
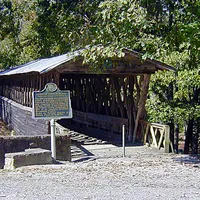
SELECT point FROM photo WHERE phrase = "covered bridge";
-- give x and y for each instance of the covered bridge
(106, 101)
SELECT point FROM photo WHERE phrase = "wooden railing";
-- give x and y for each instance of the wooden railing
(104, 122)
(157, 135)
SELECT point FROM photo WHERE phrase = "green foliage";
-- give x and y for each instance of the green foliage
(17, 44)
(42, 28)
(182, 51)
(119, 24)
(166, 30)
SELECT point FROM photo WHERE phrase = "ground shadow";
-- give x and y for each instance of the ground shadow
(105, 137)
(82, 136)
(88, 155)
(85, 151)
(188, 159)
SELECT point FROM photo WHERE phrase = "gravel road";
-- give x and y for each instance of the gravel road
(144, 174)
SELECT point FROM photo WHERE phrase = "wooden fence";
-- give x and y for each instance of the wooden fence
(157, 135)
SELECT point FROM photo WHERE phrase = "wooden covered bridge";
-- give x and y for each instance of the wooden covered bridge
(106, 101)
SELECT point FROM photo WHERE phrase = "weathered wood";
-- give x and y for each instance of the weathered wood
(113, 99)
(119, 101)
(101, 121)
(138, 89)
(160, 135)
(115, 95)
(40, 87)
(130, 108)
(141, 104)
(146, 128)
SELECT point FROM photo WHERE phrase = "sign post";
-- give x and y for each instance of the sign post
(53, 139)
(52, 103)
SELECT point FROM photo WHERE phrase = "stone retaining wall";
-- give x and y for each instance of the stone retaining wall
(19, 119)
(10, 144)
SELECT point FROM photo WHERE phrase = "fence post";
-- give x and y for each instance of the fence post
(123, 140)
(167, 139)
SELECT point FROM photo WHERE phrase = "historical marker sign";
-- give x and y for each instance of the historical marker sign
(51, 103)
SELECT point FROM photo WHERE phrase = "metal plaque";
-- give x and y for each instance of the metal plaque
(51, 103)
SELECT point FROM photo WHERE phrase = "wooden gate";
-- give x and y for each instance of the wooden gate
(157, 135)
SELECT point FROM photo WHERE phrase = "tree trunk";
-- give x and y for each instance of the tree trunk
(188, 136)
(192, 135)
(170, 94)
(195, 138)
(171, 125)
(176, 139)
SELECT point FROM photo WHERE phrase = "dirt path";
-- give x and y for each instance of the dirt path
(144, 174)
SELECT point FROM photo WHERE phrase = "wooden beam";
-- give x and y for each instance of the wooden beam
(141, 104)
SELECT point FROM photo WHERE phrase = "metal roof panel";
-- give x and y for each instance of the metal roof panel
(41, 65)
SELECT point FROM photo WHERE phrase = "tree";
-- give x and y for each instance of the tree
(182, 51)
(167, 30)
(42, 28)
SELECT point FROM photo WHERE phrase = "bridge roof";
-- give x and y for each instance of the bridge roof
(47, 64)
